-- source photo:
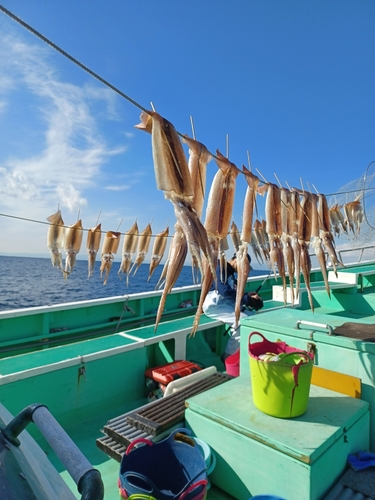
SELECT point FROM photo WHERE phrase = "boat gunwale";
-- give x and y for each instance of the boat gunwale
(105, 300)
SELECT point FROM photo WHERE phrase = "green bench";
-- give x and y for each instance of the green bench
(75, 354)
(355, 276)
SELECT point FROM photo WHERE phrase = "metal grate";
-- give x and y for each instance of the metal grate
(152, 420)
(111, 447)
(170, 410)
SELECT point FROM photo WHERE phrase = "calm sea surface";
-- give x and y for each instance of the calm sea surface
(30, 282)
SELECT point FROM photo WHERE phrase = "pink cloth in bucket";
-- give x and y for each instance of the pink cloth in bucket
(265, 345)
(258, 348)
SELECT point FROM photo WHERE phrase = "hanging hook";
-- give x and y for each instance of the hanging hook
(192, 127)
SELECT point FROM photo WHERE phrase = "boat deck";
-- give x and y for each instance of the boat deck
(82, 434)
(87, 381)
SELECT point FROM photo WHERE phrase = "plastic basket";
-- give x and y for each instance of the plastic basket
(281, 380)
(232, 364)
(172, 469)
(209, 458)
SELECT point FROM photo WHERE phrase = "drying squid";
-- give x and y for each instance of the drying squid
(348, 217)
(358, 214)
(55, 238)
(109, 249)
(274, 231)
(174, 179)
(317, 242)
(325, 231)
(223, 247)
(304, 236)
(335, 219)
(286, 236)
(243, 265)
(73, 242)
(249, 204)
(256, 248)
(354, 215)
(176, 258)
(260, 234)
(218, 216)
(94, 235)
(143, 244)
(158, 250)
(343, 223)
(161, 280)
(294, 214)
(195, 234)
(235, 236)
(266, 239)
(207, 280)
(128, 249)
(220, 203)
(199, 157)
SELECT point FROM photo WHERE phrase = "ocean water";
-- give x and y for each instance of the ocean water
(31, 282)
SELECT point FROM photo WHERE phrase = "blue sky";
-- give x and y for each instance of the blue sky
(292, 82)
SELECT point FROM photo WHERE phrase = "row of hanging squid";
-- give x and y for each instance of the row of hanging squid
(295, 225)
(69, 238)
(294, 220)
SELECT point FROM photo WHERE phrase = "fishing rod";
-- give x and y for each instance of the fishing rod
(265, 279)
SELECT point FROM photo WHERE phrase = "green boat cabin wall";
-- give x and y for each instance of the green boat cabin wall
(115, 382)
(112, 382)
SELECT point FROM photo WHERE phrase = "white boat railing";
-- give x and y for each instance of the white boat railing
(360, 249)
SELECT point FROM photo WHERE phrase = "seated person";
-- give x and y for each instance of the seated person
(220, 303)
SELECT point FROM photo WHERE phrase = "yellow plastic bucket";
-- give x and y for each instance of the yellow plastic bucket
(280, 377)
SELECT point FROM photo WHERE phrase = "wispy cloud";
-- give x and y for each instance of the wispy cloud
(16, 184)
(122, 187)
(72, 150)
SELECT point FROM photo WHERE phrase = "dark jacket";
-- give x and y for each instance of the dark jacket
(228, 290)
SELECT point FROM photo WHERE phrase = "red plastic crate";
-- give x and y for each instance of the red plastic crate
(171, 371)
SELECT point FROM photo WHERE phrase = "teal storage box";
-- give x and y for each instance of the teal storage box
(298, 458)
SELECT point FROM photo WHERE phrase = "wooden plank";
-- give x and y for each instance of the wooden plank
(336, 381)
